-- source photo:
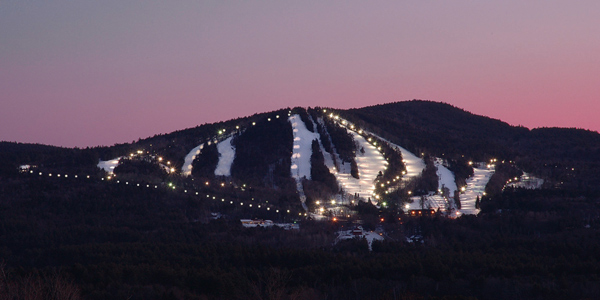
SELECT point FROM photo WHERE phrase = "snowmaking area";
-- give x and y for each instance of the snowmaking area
(226, 156)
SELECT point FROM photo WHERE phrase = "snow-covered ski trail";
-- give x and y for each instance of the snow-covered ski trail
(475, 187)
(226, 156)
(301, 153)
(186, 170)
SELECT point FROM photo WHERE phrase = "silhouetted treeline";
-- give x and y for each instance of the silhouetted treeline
(263, 152)
(344, 144)
(323, 184)
(461, 169)
(206, 162)
(304, 117)
(107, 240)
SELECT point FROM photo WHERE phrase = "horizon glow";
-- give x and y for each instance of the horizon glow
(88, 73)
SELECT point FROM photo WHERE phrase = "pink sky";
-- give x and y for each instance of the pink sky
(86, 73)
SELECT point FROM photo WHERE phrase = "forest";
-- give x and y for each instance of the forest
(100, 240)
(148, 233)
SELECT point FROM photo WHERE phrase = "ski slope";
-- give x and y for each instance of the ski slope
(226, 156)
(475, 187)
(302, 149)
(369, 165)
(414, 164)
(186, 170)
(445, 177)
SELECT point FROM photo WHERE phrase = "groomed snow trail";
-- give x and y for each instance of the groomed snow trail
(301, 153)
(475, 187)
(226, 156)
(186, 170)
(414, 164)
(302, 150)
(369, 165)
(445, 178)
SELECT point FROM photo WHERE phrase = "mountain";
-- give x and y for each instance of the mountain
(444, 203)
(447, 131)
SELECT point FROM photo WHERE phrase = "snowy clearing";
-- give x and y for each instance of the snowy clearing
(226, 156)
(109, 165)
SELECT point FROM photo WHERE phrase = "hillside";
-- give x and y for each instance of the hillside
(441, 203)
(447, 131)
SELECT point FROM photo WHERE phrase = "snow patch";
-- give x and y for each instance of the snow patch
(109, 165)
(527, 181)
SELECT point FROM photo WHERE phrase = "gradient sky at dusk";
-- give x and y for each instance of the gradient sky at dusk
(86, 73)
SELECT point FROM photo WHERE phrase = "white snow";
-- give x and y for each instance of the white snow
(414, 164)
(226, 156)
(431, 200)
(445, 177)
(369, 165)
(302, 149)
(475, 187)
(109, 165)
(186, 170)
